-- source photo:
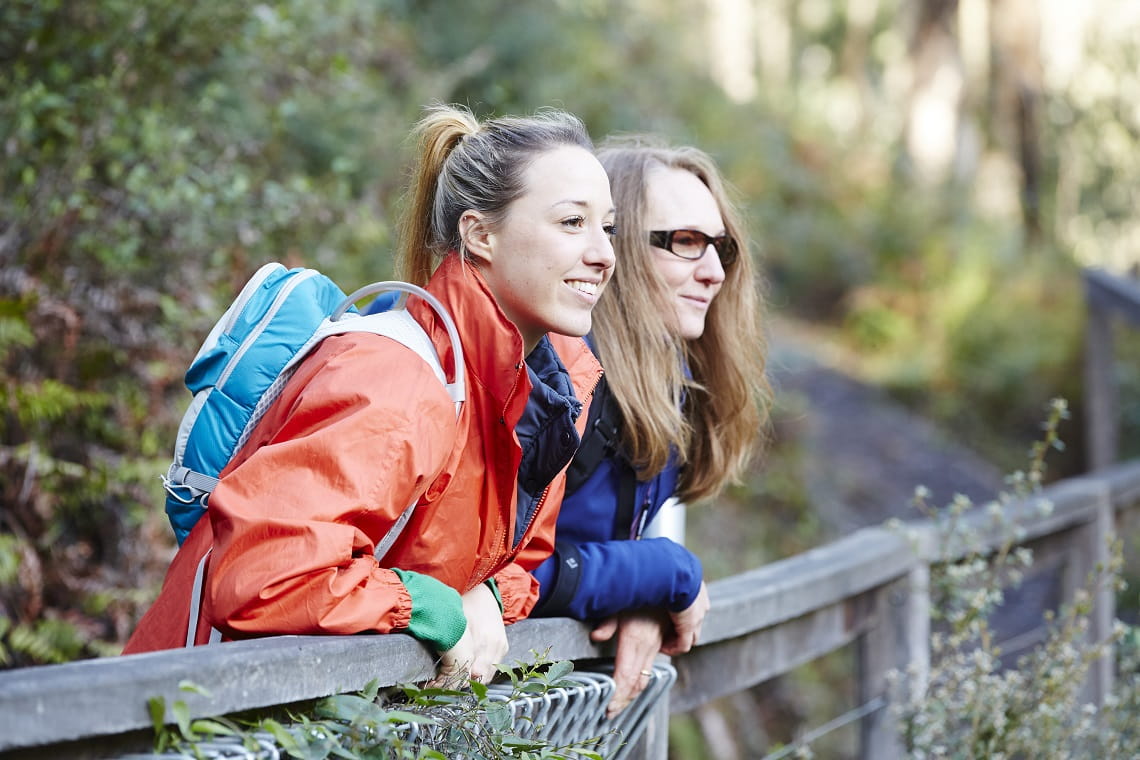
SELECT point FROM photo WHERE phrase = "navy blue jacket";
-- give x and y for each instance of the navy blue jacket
(599, 568)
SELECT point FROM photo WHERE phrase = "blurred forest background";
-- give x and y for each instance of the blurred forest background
(926, 179)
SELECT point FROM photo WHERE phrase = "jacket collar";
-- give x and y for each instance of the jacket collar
(492, 345)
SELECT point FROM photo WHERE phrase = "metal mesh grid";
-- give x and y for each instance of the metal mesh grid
(578, 713)
(565, 715)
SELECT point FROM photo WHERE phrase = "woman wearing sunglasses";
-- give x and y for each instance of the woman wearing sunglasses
(682, 403)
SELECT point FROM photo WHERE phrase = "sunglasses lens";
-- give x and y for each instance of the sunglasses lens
(689, 243)
(726, 250)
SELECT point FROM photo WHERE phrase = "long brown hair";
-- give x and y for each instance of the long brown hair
(463, 165)
(713, 419)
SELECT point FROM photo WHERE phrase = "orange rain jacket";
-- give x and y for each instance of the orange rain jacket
(361, 429)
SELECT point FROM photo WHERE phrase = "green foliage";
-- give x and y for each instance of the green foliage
(409, 722)
(1095, 126)
(972, 705)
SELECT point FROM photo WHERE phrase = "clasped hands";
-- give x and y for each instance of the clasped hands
(643, 634)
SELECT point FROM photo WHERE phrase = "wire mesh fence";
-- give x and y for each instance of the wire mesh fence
(572, 714)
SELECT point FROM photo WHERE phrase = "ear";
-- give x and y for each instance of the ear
(477, 236)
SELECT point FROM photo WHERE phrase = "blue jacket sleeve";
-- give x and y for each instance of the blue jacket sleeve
(592, 580)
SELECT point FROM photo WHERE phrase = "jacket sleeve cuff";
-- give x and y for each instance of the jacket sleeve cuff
(565, 565)
(518, 591)
(688, 581)
(437, 610)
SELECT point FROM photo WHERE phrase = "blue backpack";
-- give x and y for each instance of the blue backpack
(251, 352)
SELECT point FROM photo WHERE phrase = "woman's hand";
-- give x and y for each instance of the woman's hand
(687, 624)
(489, 635)
(482, 646)
(639, 640)
(455, 663)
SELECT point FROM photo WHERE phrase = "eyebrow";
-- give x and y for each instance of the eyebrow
(580, 204)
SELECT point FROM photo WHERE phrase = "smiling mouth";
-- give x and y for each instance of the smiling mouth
(589, 288)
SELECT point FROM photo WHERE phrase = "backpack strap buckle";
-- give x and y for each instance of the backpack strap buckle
(186, 486)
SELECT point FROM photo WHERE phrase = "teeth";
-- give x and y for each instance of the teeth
(590, 288)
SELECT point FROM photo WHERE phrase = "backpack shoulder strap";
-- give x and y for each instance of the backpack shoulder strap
(602, 438)
(399, 325)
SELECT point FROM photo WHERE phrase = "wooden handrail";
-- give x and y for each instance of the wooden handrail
(866, 587)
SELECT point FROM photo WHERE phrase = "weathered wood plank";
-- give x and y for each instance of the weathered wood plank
(897, 639)
(1101, 396)
(731, 665)
(1071, 503)
(109, 695)
(762, 623)
(1089, 558)
(1123, 481)
(816, 579)
(1108, 291)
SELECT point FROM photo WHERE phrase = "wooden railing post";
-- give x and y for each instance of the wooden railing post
(1089, 560)
(1101, 402)
(899, 641)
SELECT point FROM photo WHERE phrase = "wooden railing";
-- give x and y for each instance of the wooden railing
(868, 589)
(1108, 297)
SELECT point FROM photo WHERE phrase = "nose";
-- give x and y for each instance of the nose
(601, 251)
(709, 269)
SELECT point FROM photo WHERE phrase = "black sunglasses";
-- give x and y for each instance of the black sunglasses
(692, 244)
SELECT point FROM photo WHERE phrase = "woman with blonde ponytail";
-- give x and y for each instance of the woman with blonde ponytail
(682, 404)
(508, 223)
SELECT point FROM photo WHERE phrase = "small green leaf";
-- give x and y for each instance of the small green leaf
(156, 706)
(559, 670)
(181, 714)
(212, 727)
(350, 708)
(194, 688)
(499, 716)
(399, 716)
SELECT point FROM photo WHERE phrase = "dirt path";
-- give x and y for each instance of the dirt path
(865, 453)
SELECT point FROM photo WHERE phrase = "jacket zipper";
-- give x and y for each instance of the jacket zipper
(511, 393)
(533, 514)
(508, 549)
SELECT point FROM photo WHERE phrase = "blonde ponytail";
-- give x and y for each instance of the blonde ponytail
(436, 136)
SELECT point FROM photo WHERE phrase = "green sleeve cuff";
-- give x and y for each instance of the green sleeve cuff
(437, 610)
(491, 584)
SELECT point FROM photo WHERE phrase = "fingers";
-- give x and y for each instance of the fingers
(687, 624)
(639, 640)
(455, 664)
(483, 644)
(605, 630)
(489, 635)
(628, 684)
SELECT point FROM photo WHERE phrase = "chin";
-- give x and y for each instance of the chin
(692, 332)
(573, 328)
